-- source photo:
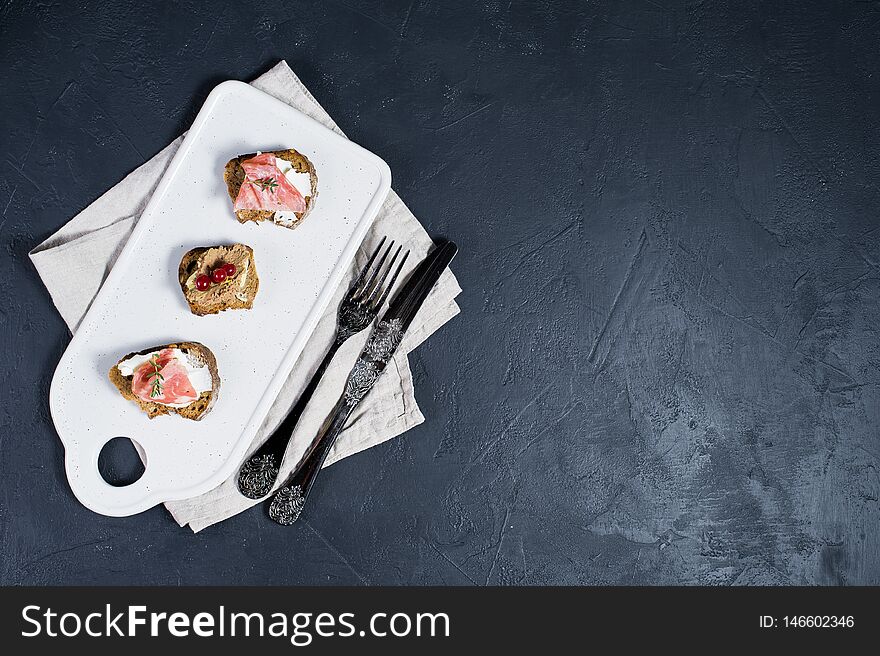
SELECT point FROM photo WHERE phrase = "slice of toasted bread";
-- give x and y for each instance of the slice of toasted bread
(199, 354)
(235, 293)
(234, 176)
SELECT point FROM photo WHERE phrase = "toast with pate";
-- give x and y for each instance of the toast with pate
(279, 186)
(179, 379)
(217, 278)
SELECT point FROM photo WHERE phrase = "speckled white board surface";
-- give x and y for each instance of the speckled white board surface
(140, 304)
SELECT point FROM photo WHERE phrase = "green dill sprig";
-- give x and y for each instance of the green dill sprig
(266, 184)
(156, 376)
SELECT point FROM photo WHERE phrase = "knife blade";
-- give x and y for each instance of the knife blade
(288, 502)
(388, 333)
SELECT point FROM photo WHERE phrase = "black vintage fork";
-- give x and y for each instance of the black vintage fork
(357, 311)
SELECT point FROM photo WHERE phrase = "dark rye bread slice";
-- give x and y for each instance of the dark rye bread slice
(234, 175)
(195, 410)
(235, 293)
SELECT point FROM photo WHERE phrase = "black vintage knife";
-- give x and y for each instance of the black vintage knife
(287, 504)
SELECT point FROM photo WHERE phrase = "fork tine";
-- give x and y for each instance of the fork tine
(377, 289)
(376, 281)
(357, 282)
(378, 304)
(367, 289)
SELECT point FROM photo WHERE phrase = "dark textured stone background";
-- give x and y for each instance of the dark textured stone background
(666, 367)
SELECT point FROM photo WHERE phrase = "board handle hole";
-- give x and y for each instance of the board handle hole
(120, 462)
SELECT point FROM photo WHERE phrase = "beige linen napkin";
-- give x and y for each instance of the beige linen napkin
(74, 262)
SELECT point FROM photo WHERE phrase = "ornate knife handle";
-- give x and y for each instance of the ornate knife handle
(289, 500)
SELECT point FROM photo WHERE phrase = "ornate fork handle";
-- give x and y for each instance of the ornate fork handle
(358, 309)
(258, 474)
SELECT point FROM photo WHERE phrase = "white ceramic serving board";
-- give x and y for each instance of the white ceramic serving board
(140, 304)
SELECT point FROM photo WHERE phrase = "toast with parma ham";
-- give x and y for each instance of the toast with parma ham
(179, 379)
(280, 186)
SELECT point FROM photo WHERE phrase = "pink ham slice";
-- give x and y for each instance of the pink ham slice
(280, 196)
(176, 386)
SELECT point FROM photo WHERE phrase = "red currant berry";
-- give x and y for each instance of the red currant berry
(229, 268)
(218, 275)
(203, 283)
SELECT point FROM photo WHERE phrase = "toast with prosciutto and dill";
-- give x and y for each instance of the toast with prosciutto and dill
(279, 186)
(179, 379)
(217, 278)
